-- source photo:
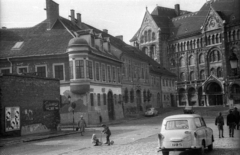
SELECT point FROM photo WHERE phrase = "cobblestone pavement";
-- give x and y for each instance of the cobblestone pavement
(137, 137)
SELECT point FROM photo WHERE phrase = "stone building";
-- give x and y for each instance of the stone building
(92, 67)
(197, 47)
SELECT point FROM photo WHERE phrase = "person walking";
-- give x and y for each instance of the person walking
(219, 121)
(231, 123)
(81, 125)
(106, 131)
(237, 117)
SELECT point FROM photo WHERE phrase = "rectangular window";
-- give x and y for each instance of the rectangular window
(109, 73)
(92, 99)
(41, 71)
(104, 99)
(98, 99)
(79, 65)
(58, 70)
(177, 124)
(5, 71)
(97, 71)
(103, 72)
(71, 69)
(89, 69)
(117, 75)
(113, 74)
(22, 70)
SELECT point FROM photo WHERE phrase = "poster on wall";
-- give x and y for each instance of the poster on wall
(12, 118)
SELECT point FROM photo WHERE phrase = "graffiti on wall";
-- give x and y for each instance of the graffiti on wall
(12, 118)
(28, 114)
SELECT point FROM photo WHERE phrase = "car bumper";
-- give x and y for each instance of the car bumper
(180, 149)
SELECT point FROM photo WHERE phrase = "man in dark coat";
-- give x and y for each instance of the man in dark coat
(220, 123)
(106, 131)
(237, 117)
(231, 123)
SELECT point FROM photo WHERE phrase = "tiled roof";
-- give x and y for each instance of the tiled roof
(37, 41)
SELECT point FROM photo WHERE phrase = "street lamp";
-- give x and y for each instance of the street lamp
(233, 63)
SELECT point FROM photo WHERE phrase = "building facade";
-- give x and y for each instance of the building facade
(101, 77)
(197, 47)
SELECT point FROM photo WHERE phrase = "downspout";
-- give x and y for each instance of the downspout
(10, 64)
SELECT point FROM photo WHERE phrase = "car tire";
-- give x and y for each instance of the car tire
(165, 152)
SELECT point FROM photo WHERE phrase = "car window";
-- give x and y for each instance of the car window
(197, 122)
(203, 122)
(177, 124)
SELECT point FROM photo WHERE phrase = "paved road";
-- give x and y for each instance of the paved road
(138, 137)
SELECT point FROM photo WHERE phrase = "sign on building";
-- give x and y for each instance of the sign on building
(12, 118)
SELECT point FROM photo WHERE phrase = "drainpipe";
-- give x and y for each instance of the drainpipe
(10, 64)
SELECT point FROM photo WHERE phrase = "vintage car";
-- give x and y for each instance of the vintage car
(188, 110)
(151, 112)
(185, 132)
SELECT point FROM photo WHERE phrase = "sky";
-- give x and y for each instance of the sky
(119, 17)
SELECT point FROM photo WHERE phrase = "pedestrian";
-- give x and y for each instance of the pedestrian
(81, 125)
(231, 123)
(95, 140)
(237, 117)
(219, 121)
(107, 132)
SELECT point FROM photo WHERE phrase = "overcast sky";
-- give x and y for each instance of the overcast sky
(120, 17)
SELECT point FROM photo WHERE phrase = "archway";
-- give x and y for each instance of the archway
(110, 106)
(214, 93)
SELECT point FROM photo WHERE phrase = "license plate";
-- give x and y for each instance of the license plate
(177, 144)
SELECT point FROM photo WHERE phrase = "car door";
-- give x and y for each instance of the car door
(208, 132)
(200, 130)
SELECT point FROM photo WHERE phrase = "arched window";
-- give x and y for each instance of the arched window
(213, 39)
(191, 60)
(145, 36)
(153, 36)
(182, 76)
(215, 56)
(126, 95)
(201, 58)
(191, 75)
(217, 38)
(212, 71)
(152, 52)
(202, 74)
(142, 39)
(181, 62)
(132, 96)
(149, 35)
(219, 72)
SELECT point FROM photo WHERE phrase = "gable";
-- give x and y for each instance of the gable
(213, 21)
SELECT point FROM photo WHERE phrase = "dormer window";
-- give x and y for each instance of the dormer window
(18, 45)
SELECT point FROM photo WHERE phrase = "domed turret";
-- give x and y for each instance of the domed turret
(77, 44)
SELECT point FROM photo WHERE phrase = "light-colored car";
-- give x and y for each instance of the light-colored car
(185, 132)
(151, 112)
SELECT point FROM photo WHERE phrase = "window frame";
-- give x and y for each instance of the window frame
(58, 64)
(19, 67)
(5, 68)
(44, 65)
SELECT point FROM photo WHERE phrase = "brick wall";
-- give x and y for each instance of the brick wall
(28, 93)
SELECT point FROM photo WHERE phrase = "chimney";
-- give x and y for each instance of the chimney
(105, 31)
(177, 9)
(79, 20)
(120, 37)
(72, 16)
(52, 10)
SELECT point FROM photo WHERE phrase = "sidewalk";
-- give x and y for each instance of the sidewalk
(66, 130)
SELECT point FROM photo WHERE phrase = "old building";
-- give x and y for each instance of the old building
(198, 47)
(101, 77)
(28, 104)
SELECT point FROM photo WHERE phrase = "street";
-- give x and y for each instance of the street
(136, 137)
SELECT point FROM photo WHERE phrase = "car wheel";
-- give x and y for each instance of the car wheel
(165, 152)
(210, 147)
